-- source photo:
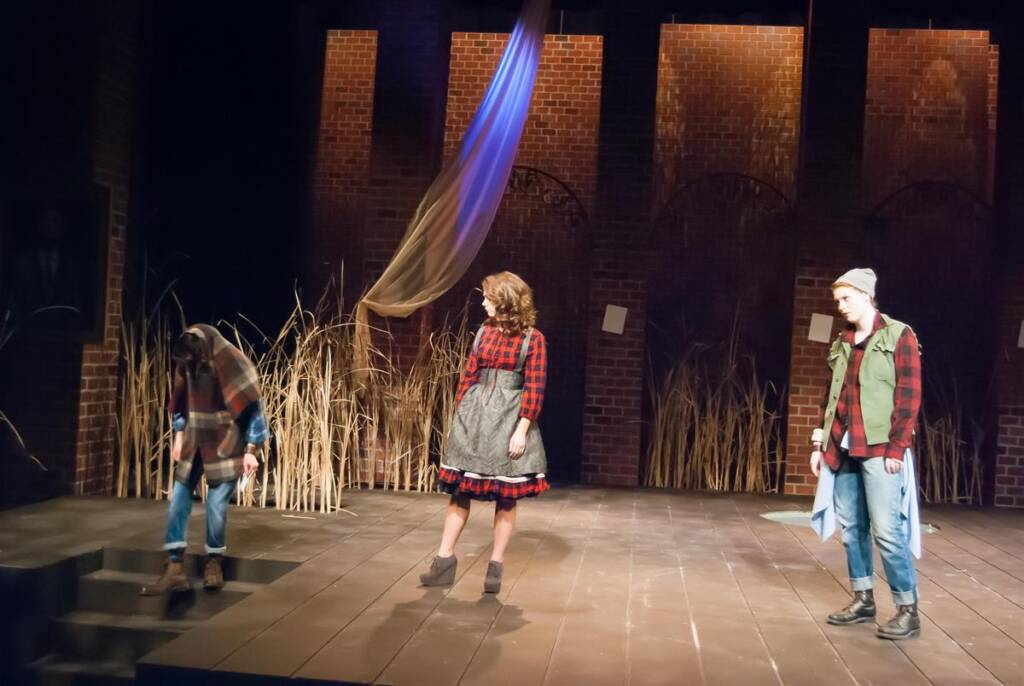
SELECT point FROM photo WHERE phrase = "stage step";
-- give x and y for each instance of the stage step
(112, 626)
(235, 569)
(117, 592)
(54, 670)
(108, 636)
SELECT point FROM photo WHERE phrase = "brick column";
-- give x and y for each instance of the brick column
(828, 207)
(927, 115)
(118, 24)
(408, 135)
(342, 164)
(753, 73)
(560, 134)
(1006, 482)
(728, 103)
(615, 363)
(530, 234)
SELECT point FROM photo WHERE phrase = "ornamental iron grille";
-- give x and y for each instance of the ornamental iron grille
(931, 238)
(551, 191)
(739, 200)
(721, 255)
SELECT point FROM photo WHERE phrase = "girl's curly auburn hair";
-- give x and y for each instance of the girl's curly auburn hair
(513, 302)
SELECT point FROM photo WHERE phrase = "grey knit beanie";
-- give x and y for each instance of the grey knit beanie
(861, 278)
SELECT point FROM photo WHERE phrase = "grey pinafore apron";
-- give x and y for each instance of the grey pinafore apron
(484, 422)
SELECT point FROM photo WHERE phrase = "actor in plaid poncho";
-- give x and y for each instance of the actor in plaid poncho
(219, 425)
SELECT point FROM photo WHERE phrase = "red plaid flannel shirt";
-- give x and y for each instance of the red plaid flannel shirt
(500, 351)
(907, 401)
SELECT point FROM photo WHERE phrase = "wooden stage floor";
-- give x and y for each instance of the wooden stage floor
(602, 586)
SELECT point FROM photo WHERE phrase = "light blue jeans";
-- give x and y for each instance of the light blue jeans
(217, 498)
(869, 504)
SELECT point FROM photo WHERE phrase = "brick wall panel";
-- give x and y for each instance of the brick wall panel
(531, 236)
(112, 156)
(929, 110)
(342, 158)
(722, 249)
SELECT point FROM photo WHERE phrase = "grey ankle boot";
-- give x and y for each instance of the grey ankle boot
(442, 572)
(492, 582)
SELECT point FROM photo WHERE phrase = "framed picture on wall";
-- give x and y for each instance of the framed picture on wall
(55, 264)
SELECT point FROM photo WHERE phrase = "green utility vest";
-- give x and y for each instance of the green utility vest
(877, 381)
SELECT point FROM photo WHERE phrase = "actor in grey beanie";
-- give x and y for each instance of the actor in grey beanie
(871, 410)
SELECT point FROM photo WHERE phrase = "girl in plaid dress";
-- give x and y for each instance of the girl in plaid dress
(494, 450)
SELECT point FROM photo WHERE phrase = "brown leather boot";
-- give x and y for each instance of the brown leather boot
(492, 582)
(442, 572)
(213, 576)
(173, 580)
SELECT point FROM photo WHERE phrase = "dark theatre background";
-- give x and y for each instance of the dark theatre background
(712, 162)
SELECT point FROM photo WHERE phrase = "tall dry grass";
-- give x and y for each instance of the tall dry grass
(142, 421)
(332, 426)
(713, 425)
(948, 447)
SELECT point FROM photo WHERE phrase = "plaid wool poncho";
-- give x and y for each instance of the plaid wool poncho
(224, 386)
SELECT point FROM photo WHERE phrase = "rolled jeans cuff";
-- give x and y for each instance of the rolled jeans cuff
(904, 597)
(175, 545)
(864, 583)
(216, 551)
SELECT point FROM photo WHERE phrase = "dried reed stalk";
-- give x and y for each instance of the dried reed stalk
(330, 424)
(948, 449)
(712, 426)
(142, 422)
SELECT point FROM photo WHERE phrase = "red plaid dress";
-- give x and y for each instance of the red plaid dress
(501, 351)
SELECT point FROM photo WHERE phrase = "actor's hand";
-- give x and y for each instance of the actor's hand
(517, 444)
(893, 466)
(816, 458)
(176, 444)
(249, 464)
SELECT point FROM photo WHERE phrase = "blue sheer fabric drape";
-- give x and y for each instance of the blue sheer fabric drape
(456, 213)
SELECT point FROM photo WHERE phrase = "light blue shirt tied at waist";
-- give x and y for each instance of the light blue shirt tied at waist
(823, 514)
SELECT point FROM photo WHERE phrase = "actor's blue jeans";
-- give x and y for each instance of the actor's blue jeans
(217, 498)
(869, 501)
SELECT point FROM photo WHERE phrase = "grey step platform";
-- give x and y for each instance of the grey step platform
(108, 636)
(110, 626)
(57, 670)
(117, 592)
(255, 571)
